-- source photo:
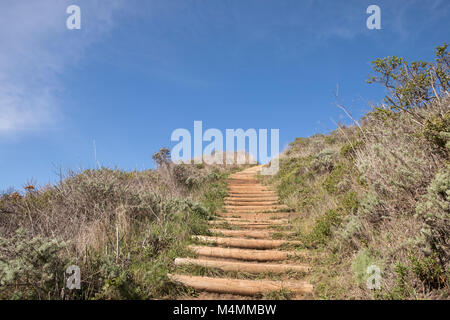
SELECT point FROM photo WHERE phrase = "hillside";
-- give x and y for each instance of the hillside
(123, 229)
(372, 196)
(378, 192)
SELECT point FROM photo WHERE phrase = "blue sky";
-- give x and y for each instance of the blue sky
(137, 70)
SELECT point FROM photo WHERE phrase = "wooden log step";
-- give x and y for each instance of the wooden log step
(250, 267)
(255, 211)
(252, 219)
(261, 215)
(249, 199)
(256, 187)
(245, 254)
(251, 195)
(245, 243)
(240, 195)
(241, 287)
(248, 188)
(254, 207)
(251, 204)
(243, 181)
(237, 223)
(261, 192)
(256, 234)
(243, 225)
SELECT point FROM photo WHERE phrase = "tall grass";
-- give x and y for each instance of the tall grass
(378, 189)
(123, 229)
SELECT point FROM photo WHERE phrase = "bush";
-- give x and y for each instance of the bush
(322, 230)
(437, 130)
(372, 207)
(350, 202)
(31, 267)
(435, 213)
(324, 161)
(351, 230)
(292, 180)
(336, 182)
(348, 150)
(430, 271)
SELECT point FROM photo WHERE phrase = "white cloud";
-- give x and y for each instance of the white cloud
(35, 50)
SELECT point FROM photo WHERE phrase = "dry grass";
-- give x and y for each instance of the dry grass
(358, 189)
(122, 228)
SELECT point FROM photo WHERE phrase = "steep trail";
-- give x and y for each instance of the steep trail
(250, 246)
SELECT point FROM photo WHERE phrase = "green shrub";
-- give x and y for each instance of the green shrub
(330, 139)
(351, 229)
(31, 267)
(324, 161)
(435, 213)
(402, 288)
(350, 202)
(188, 176)
(215, 190)
(337, 180)
(372, 207)
(292, 176)
(430, 271)
(437, 130)
(348, 150)
(322, 230)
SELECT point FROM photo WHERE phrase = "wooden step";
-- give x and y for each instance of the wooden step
(241, 287)
(250, 249)
(254, 207)
(259, 204)
(250, 267)
(242, 225)
(255, 211)
(265, 194)
(252, 200)
(260, 215)
(246, 186)
(256, 234)
(251, 194)
(245, 254)
(252, 219)
(249, 199)
(246, 243)
(243, 182)
(258, 187)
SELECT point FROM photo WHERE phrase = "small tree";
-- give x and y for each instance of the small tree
(416, 84)
(162, 157)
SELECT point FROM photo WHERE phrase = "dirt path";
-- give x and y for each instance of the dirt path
(252, 263)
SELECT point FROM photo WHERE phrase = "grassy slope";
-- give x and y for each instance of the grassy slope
(123, 229)
(376, 194)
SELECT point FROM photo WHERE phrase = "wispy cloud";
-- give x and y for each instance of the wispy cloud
(36, 49)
